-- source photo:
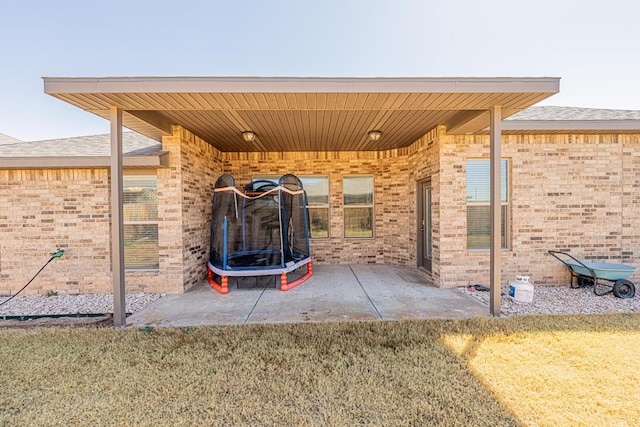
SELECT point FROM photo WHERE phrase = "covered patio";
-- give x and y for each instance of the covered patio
(309, 115)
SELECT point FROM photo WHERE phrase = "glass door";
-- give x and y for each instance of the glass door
(425, 243)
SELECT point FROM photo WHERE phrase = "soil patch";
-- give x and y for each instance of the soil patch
(48, 322)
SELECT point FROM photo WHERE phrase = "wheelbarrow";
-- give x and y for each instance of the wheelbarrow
(604, 277)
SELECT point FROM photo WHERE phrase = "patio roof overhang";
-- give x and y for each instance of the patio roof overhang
(302, 114)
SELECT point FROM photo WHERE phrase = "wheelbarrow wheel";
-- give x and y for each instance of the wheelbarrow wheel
(624, 289)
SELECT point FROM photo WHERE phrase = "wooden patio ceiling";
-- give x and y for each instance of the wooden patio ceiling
(302, 114)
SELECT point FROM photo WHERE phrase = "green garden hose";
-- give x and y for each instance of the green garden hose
(57, 254)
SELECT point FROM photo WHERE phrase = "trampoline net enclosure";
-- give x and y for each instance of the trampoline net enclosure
(262, 230)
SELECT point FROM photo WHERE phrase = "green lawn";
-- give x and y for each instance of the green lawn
(543, 370)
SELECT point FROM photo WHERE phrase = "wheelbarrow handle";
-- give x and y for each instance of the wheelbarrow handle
(556, 253)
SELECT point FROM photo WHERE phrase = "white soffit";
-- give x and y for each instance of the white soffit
(302, 114)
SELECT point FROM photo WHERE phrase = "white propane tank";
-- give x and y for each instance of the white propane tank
(521, 290)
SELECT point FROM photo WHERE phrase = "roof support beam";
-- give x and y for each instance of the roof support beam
(495, 132)
(153, 118)
(462, 118)
(117, 226)
(161, 160)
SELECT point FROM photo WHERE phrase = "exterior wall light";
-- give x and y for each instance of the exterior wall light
(375, 135)
(248, 135)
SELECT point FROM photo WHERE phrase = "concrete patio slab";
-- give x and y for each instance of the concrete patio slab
(334, 293)
(331, 294)
(400, 293)
(199, 306)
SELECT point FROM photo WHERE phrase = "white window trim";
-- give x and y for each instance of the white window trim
(506, 203)
(372, 206)
(136, 174)
(327, 206)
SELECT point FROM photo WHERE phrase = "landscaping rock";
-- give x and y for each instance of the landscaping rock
(549, 299)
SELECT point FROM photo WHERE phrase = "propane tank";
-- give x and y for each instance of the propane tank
(521, 290)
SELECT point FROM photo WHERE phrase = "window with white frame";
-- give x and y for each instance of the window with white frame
(358, 206)
(140, 218)
(478, 204)
(317, 189)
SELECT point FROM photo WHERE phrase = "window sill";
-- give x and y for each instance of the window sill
(142, 272)
(485, 251)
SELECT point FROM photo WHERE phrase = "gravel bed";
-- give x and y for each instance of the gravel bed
(72, 304)
(548, 299)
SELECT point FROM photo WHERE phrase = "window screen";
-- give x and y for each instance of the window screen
(478, 207)
(140, 217)
(317, 189)
(358, 206)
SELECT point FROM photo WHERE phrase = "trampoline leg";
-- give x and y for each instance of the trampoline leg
(284, 286)
(223, 288)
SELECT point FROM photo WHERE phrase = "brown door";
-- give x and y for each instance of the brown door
(424, 225)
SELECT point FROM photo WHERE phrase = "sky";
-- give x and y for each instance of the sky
(593, 46)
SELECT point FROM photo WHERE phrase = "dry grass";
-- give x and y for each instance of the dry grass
(553, 377)
(448, 373)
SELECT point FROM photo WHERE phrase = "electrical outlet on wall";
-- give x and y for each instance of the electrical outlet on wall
(65, 248)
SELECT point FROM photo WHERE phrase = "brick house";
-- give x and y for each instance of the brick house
(569, 177)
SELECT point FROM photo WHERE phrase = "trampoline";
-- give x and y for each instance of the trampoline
(261, 231)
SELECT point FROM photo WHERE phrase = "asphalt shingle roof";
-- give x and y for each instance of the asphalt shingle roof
(6, 139)
(543, 113)
(133, 144)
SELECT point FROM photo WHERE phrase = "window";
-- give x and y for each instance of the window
(140, 217)
(317, 189)
(478, 208)
(358, 206)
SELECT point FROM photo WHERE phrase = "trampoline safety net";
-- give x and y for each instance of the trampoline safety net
(262, 230)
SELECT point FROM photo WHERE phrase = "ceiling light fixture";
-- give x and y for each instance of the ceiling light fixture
(375, 135)
(248, 135)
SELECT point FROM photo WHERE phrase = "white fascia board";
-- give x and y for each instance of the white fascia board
(53, 85)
